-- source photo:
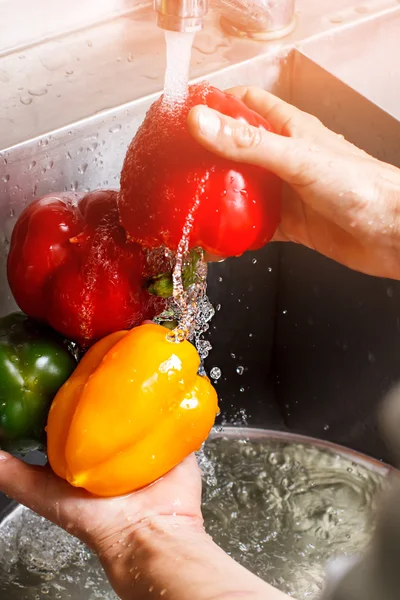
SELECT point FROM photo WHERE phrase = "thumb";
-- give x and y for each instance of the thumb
(289, 158)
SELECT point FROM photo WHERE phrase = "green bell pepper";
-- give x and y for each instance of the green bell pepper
(34, 363)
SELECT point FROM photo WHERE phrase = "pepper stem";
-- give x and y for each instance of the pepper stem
(171, 325)
(162, 285)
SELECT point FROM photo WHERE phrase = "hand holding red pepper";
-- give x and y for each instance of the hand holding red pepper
(71, 265)
(166, 171)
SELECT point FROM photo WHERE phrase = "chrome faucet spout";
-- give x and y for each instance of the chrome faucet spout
(181, 15)
(257, 19)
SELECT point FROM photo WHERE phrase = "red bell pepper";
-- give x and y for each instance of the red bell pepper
(165, 171)
(72, 266)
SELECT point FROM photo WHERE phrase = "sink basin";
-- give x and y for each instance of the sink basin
(265, 371)
(281, 505)
(303, 344)
(365, 56)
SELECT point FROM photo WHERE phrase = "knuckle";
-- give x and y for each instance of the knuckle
(252, 93)
(300, 124)
(314, 121)
(237, 90)
(300, 167)
(289, 126)
(246, 136)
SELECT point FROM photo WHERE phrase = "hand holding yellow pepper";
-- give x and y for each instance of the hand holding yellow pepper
(133, 409)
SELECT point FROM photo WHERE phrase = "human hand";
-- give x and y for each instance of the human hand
(107, 525)
(338, 200)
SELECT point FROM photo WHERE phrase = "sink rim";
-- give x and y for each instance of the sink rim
(258, 433)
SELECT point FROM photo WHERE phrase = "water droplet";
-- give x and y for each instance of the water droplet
(220, 279)
(82, 168)
(284, 312)
(336, 19)
(233, 355)
(37, 91)
(90, 43)
(215, 373)
(269, 269)
(25, 100)
(241, 389)
(326, 427)
(12, 213)
(218, 307)
(6, 178)
(254, 261)
(69, 72)
(362, 10)
(115, 128)
(240, 370)
(130, 57)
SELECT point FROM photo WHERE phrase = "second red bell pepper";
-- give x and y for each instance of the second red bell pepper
(166, 172)
(71, 265)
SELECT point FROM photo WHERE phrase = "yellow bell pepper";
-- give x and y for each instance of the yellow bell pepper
(132, 410)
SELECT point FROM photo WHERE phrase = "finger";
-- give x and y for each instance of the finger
(35, 487)
(239, 91)
(284, 118)
(292, 160)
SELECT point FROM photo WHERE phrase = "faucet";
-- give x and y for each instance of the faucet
(257, 19)
(181, 15)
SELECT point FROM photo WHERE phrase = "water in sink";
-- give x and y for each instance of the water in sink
(284, 509)
(281, 509)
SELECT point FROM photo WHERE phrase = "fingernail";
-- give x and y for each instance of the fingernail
(209, 123)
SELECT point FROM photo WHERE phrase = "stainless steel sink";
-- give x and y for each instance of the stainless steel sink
(365, 56)
(282, 505)
(318, 343)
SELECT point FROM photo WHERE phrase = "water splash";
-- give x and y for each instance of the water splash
(189, 306)
(283, 509)
(215, 373)
(39, 560)
(182, 298)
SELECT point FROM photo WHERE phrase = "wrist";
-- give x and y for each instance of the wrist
(139, 533)
(174, 558)
(129, 557)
